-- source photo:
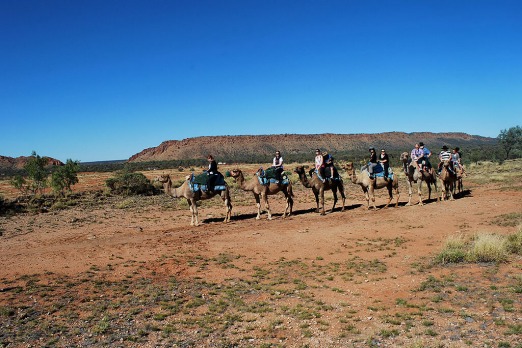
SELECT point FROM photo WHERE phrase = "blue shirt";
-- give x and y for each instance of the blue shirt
(427, 152)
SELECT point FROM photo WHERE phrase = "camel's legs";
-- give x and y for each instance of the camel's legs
(335, 200)
(258, 205)
(410, 191)
(267, 206)
(367, 196)
(371, 192)
(397, 194)
(228, 206)
(289, 204)
(321, 196)
(316, 194)
(194, 210)
(343, 197)
(420, 192)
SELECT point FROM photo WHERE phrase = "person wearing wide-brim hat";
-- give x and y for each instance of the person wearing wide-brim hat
(444, 155)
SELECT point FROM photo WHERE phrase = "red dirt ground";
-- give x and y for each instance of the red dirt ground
(75, 240)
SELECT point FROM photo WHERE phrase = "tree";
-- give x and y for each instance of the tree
(36, 180)
(510, 139)
(64, 177)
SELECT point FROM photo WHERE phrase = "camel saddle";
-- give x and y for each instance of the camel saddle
(269, 176)
(207, 182)
(378, 171)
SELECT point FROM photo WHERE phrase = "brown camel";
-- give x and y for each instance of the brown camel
(447, 179)
(263, 191)
(192, 197)
(414, 176)
(369, 185)
(318, 187)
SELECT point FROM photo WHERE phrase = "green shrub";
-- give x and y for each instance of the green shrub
(454, 250)
(65, 176)
(128, 183)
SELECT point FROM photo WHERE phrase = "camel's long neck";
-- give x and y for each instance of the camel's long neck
(243, 184)
(174, 192)
(355, 178)
(304, 180)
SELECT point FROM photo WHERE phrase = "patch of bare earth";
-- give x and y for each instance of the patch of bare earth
(132, 272)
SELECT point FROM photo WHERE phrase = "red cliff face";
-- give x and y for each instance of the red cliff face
(227, 146)
(19, 162)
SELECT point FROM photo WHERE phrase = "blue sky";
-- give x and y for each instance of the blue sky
(101, 80)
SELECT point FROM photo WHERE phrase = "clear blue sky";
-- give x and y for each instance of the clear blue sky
(102, 79)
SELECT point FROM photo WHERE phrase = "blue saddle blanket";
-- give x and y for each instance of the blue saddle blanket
(198, 183)
(267, 181)
(378, 171)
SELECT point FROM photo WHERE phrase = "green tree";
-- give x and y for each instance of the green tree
(36, 180)
(65, 176)
(510, 139)
(129, 183)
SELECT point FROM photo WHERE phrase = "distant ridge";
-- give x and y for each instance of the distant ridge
(19, 162)
(241, 146)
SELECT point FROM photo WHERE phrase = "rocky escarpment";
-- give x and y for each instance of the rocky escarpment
(292, 144)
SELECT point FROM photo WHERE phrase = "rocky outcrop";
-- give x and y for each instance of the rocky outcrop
(232, 146)
(19, 162)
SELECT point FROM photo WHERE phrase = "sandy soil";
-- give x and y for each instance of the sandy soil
(74, 241)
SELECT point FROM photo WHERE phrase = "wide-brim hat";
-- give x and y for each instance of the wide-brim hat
(421, 144)
(444, 147)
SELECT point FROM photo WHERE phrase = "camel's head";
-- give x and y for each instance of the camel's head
(299, 170)
(235, 173)
(404, 157)
(163, 178)
(348, 166)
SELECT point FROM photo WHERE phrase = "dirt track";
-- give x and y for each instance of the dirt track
(390, 251)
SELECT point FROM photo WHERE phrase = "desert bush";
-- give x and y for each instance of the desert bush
(484, 247)
(514, 242)
(130, 183)
(487, 247)
(454, 250)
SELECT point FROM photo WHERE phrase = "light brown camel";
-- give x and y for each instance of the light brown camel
(414, 176)
(192, 197)
(318, 187)
(458, 184)
(369, 185)
(261, 191)
(447, 179)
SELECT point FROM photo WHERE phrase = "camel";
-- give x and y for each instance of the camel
(413, 175)
(369, 185)
(458, 184)
(192, 197)
(447, 181)
(318, 187)
(261, 191)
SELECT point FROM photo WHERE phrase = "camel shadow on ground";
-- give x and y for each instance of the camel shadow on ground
(278, 215)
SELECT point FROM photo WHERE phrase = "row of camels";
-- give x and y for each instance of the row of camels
(448, 182)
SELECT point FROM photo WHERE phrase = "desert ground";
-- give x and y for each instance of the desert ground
(131, 272)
